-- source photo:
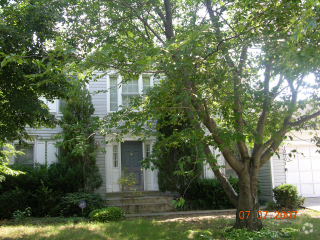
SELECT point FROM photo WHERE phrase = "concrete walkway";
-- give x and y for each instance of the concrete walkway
(182, 212)
(312, 203)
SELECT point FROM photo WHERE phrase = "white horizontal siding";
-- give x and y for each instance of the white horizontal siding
(265, 177)
(279, 175)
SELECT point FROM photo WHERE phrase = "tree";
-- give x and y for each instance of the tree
(27, 73)
(235, 69)
(77, 149)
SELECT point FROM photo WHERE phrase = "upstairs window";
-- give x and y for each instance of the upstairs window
(121, 93)
(113, 93)
(129, 90)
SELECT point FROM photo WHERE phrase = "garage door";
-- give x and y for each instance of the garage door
(304, 171)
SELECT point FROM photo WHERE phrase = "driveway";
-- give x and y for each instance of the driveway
(312, 203)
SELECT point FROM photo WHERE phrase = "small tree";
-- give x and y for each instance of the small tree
(77, 145)
(171, 152)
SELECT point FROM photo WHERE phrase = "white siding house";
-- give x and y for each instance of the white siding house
(108, 94)
(301, 170)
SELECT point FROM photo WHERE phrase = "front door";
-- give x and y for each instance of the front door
(131, 155)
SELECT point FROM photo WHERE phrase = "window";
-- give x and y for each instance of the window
(120, 94)
(61, 103)
(129, 90)
(27, 157)
(147, 150)
(146, 83)
(113, 93)
(115, 156)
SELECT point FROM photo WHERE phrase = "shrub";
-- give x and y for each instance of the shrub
(106, 214)
(69, 203)
(21, 215)
(271, 205)
(29, 181)
(11, 201)
(286, 196)
(61, 176)
(208, 194)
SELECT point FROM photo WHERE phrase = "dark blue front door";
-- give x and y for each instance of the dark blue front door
(131, 155)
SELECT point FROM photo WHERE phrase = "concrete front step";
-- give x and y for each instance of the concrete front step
(147, 208)
(145, 193)
(139, 200)
(146, 202)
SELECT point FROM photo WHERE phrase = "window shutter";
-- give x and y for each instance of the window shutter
(41, 153)
(51, 153)
(52, 106)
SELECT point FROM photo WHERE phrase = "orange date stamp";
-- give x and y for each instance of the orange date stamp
(279, 215)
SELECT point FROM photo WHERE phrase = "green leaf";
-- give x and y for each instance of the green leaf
(130, 34)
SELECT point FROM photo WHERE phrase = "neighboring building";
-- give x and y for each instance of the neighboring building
(302, 171)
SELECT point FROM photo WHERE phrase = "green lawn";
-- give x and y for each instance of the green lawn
(183, 227)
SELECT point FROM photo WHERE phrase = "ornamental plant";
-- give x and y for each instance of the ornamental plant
(287, 196)
(106, 214)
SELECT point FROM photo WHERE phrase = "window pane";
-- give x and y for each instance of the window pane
(113, 81)
(113, 93)
(113, 106)
(125, 88)
(115, 156)
(27, 158)
(113, 97)
(147, 150)
(135, 86)
(146, 83)
(130, 87)
(61, 103)
(126, 99)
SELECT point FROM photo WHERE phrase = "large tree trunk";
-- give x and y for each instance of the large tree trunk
(248, 215)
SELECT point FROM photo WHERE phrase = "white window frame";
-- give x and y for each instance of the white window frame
(119, 88)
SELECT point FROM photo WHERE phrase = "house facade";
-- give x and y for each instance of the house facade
(108, 94)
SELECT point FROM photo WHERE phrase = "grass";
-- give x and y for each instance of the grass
(165, 227)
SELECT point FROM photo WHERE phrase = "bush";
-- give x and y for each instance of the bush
(36, 193)
(287, 197)
(106, 214)
(61, 176)
(29, 181)
(12, 201)
(69, 203)
(208, 194)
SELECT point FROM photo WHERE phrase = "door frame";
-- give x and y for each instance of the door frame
(112, 174)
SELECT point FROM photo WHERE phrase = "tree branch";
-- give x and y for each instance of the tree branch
(168, 23)
(264, 115)
(231, 194)
(304, 119)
